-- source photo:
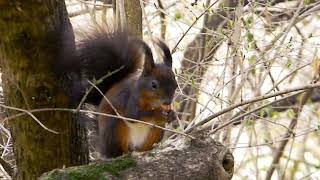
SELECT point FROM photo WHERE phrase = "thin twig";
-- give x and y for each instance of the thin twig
(31, 115)
(311, 130)
(148, 27)
(310, 86)
(94, 4)
(197, 18)
(236, 119)
(279, 151)
(82, 12)
(93, 86)
(292, 22)
(108, 101)
(95, 113)
(7, 167)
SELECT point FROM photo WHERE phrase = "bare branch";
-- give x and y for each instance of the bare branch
(279, 151)
(92, 112)
(310, 86)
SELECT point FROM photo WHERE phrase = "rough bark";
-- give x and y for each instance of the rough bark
(26, 60)
(134, 17)
(202, 158)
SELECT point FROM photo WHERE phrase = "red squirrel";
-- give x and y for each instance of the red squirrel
(144, 95)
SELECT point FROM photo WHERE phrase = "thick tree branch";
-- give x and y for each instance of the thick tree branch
(185, 159)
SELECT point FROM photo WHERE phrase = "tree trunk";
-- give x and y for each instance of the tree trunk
(131, 18)
(134, 17)
(202, 158)
(29, 82)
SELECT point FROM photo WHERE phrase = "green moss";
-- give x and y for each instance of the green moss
(95, 170)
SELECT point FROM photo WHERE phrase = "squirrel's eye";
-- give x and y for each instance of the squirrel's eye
(154, 84)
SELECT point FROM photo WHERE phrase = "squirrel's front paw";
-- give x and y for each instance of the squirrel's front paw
(171, 116)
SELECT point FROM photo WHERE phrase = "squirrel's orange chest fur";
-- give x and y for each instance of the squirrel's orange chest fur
(137, 136)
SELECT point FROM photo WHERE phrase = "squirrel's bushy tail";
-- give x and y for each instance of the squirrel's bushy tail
(107, 58)
(104, 58)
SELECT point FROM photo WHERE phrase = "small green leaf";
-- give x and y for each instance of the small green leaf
(263, 112)
(178, 15)
(318, 115)
(289, 63)
(306, 2)
(274, 114)
(230, 24)
(249, 37)
(252, 59)
(290, 113)
(193, 82)
(249, 122)
(247, 46)
(176, 105)
(253, 71)
(317, 130)
(221, 5)
(249, 21)
(268, 4)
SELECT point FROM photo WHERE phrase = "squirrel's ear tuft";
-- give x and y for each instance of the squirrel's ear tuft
(148, 59)
(167, 58)
(148, 64)
(148, 56)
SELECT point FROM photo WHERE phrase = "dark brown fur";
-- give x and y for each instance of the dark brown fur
(137, 95)
(133, 99)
